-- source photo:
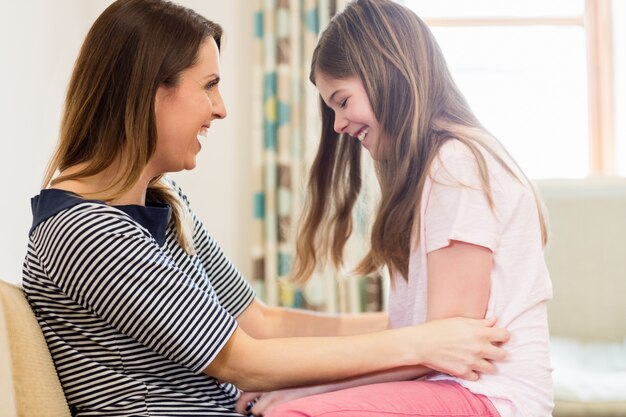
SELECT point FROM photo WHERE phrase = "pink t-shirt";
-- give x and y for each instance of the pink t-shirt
(454, 207)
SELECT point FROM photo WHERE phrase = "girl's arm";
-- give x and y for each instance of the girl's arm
(459, 280)
(262, 322)
(461, 347)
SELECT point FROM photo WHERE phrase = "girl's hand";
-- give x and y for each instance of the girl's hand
(463, 347)
(268, 400)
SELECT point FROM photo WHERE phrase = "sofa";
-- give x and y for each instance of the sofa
(586, 256)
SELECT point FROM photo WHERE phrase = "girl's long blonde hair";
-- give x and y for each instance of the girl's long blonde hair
(133, 47)
(419, 108)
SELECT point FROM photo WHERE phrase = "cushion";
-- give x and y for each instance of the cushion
(589, 377)
(592, 371)
(585, 257)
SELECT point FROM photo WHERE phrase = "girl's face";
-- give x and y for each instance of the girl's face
(353, 112)
(184, 112)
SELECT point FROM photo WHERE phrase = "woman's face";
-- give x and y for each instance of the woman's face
(184, 112)
(353, 111)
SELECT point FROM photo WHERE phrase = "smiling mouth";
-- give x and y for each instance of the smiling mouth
(203, 133)
(362, 134)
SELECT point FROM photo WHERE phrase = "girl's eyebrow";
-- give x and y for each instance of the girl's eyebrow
(333, 94)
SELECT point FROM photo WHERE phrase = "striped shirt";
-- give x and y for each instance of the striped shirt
(130, 318)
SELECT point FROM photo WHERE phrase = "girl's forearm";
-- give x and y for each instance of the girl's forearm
(399, 374)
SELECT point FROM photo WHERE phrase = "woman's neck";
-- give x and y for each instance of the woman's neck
(102, 185)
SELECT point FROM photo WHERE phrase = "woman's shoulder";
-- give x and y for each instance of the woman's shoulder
(68, 210)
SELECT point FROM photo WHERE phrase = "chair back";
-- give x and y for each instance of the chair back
(29, 385)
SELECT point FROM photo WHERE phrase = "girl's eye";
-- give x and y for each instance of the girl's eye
(343, 104)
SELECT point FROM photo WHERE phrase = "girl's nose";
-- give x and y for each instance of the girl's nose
(340, 124)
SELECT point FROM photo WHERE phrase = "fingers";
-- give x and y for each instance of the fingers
(484, 367)
(489, 322)
(494, 353)
(262, 405)
(244, 400)
(467, 347)
(470, 376)
(499, 335)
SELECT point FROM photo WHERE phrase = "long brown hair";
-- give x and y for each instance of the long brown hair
(419, 108)
(133, 47)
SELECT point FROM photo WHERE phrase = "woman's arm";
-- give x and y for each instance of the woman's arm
(458, 285)
(461, 347)
(262, 322)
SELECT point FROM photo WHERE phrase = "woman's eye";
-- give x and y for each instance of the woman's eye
(210, 86)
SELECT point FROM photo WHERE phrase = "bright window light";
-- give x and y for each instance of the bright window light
(495, 8)
(527, 84)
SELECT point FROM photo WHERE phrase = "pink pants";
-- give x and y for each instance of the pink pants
(406, 398)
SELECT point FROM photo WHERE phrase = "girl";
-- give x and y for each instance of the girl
(459, 225)
(142, 312)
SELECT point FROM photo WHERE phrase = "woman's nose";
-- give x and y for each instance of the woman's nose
(219, 109)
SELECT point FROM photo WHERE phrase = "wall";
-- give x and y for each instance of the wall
(39, 41)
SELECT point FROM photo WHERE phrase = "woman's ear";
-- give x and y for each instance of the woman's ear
(160, 95)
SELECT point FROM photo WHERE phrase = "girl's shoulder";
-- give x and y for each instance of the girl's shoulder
(454, 163)
(477, 164)
(455, 150)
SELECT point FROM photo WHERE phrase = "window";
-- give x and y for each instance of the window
(539, 75)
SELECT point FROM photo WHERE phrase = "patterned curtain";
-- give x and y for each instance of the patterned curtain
(286, 129)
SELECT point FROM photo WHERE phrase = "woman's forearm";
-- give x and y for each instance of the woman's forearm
(270, 364)
(263, 322)
(305, 323)
(460, 347)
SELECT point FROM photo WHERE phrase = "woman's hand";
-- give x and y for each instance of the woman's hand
(462, 347)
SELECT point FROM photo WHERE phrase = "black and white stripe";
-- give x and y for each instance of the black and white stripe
(131, 324)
